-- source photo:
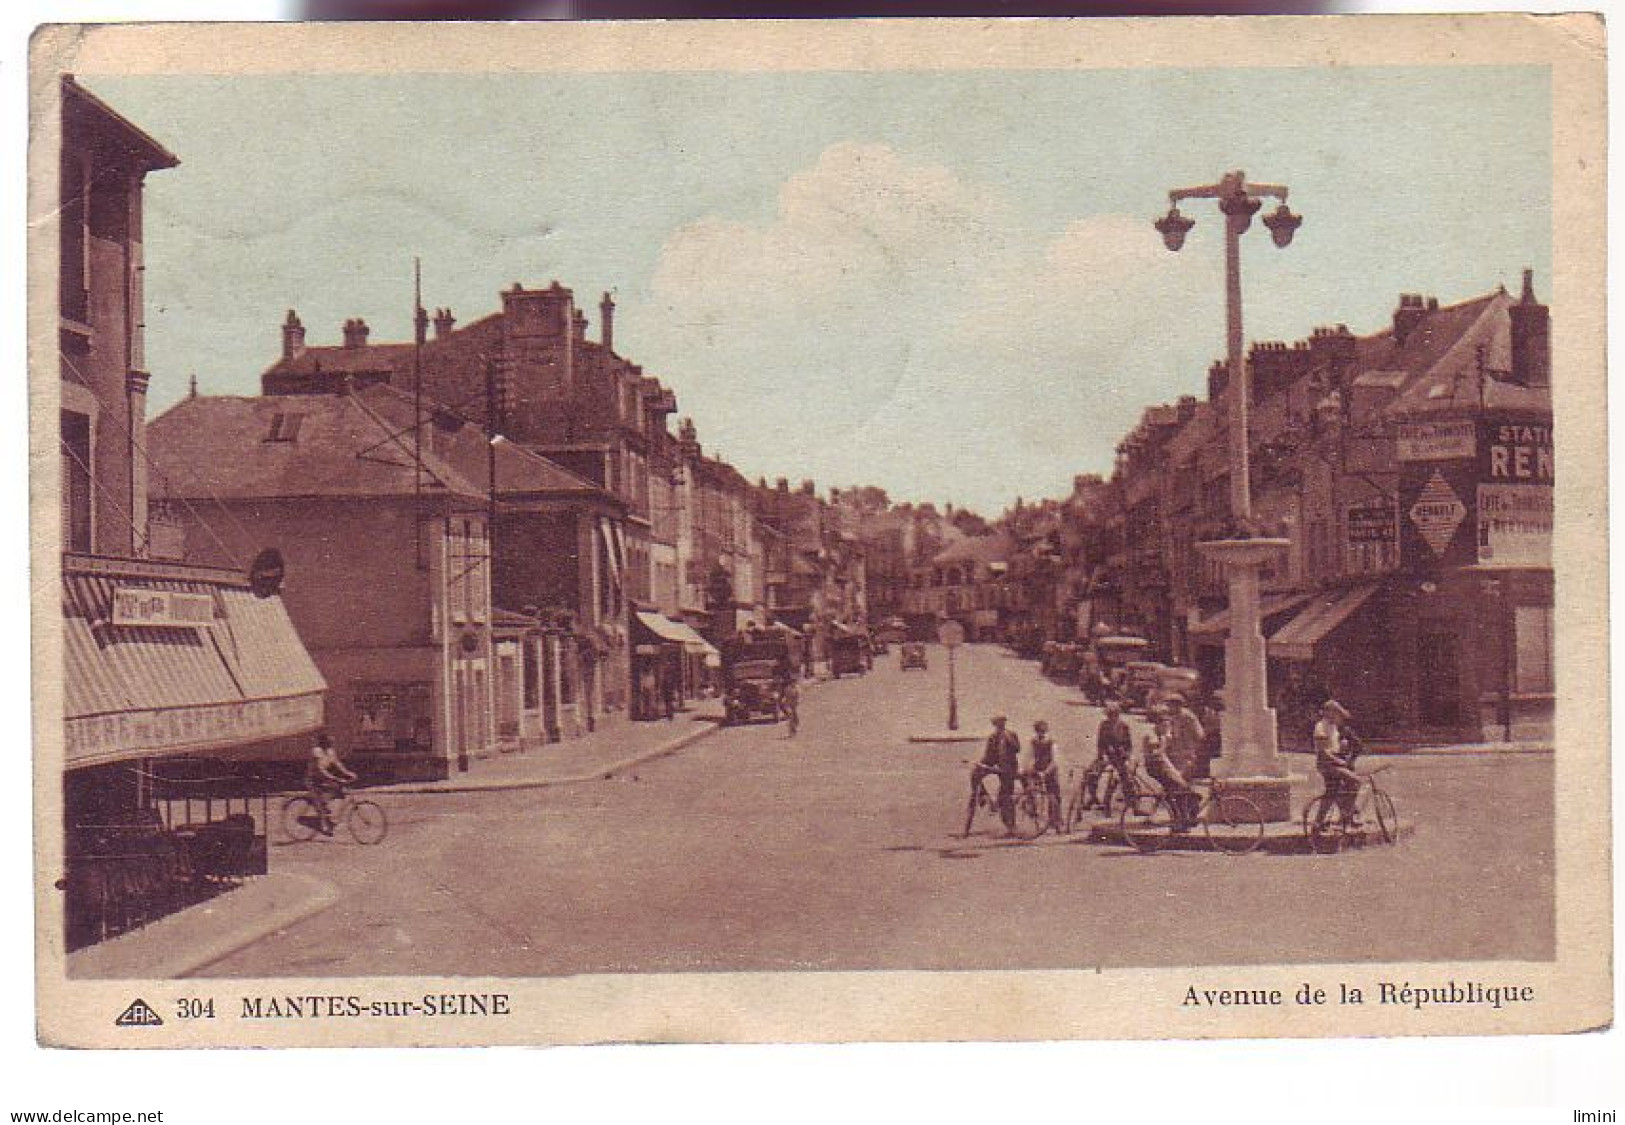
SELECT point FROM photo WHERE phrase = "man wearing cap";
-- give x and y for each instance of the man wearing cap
(1161, 748)
(1045, 770)
(1336, 747)
(1001, 757)
(1113, 746)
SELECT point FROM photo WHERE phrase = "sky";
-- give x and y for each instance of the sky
(943, 284)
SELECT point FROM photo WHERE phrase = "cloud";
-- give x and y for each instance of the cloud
(892, 322)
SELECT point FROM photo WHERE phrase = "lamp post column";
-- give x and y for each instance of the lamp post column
(1249, 761)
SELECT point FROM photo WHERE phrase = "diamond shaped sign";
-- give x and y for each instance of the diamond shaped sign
(1438, 513)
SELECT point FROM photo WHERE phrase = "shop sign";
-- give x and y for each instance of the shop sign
(1438, 441)
(1515, 525)
(167, 609)
(1517, 451)
(1438, 513)
(129, 733)
(374, 720)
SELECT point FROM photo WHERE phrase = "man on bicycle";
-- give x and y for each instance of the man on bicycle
(790, 703)
(325, 778)
(1160, 746)
(1336, 747)
(1001, 758)
(1113, 747)
(1045, 770)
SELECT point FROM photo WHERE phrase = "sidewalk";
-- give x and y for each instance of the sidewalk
(194, 938)
(588, 758)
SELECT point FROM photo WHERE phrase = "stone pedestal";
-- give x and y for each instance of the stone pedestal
(1249, 761)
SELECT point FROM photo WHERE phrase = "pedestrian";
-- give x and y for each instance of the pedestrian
(1185, 735)
(1211, 717)
(1336, 747)
(1045, 770)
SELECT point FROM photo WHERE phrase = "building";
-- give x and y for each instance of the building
(530, 373)
(178, 680)
(1410, 471)
(969, 582)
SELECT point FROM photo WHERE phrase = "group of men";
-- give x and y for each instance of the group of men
(1177, 751)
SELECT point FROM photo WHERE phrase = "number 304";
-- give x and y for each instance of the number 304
(189, 1009)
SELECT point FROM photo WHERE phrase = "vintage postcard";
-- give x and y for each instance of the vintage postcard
(819, 531)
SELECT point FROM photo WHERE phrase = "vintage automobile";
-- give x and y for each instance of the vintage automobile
(849, 654)
(754, 670)
(1141, 680)
(1175, 681)
(912, 656)
(1113, 654)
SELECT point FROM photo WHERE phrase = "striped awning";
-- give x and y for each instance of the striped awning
(1296, 640)
(137, 691)
(1214, 629)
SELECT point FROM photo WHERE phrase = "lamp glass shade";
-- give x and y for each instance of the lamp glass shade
(1174, 227)
(1282, 224)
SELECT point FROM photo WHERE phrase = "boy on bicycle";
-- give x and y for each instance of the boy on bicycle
(325, 778)
(1045, 770)
(1113, 747)
(1336, 747)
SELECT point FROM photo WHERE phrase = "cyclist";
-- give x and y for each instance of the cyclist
(1183, 801)
(790, 703)
(1045, 771)
(1336, 747)
(325, 778)
(1001, 758)
(1113, 746)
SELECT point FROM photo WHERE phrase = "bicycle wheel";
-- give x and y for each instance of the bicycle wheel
(300, 819)
(1075, 810)
(366, 822)
(1387, 817)
(1234, 824)
(1323, 825)
(1147, 822)
(977, 796)
(1029, 814)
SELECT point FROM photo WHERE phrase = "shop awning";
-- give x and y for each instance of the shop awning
(192, 662)
(1213, 630)
(676, 632)
(1296, 640)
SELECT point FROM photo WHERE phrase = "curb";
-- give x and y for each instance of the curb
(598, 774)
(159, 950)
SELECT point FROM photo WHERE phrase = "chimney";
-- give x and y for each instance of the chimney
(578, 324)
(1531, 338)
(355, 333)
(1408, 315)
(420, 325)
(1218, 375)
(606, 322)
(293, 336)
(443, 323)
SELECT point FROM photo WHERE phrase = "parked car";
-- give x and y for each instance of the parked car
(1176, 681)
(1140, 680)
(912, 656)
(753, 671)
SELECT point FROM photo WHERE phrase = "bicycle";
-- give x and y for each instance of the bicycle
(1111, 805)
(1037, 809)
(1231, 822)
(1326, 830)
(362, 818)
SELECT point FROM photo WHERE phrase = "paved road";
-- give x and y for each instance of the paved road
(838, 850)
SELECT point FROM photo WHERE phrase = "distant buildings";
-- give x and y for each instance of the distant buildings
(1411, 471)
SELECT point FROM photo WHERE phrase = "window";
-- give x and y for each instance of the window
(1532, 630)
(285, 427)
(532, 670)
(76, 481)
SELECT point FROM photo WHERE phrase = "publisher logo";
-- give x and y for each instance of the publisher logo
(139, 1014)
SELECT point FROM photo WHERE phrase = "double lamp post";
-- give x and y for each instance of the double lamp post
(1250, 761)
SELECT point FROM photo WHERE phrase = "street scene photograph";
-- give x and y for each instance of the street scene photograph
(625, 520)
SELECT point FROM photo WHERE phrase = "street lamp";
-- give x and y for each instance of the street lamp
(1250, 760)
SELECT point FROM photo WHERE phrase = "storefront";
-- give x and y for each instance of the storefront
(188, 697)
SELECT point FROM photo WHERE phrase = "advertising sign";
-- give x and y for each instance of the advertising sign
(1372, 542)
(132, 733)
(1517, 450)
(1515, 525)
(166, 609)
(1438, 441)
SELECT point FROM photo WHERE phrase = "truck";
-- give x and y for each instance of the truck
(755, 668)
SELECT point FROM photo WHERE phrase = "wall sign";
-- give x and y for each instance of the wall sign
(1438, 441)
(162, 609)
(1515, 525)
